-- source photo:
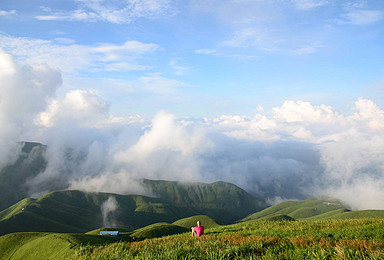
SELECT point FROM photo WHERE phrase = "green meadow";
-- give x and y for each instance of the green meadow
(313, 239)
(257, 239)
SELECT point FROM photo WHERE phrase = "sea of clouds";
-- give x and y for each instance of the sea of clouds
(295, 151)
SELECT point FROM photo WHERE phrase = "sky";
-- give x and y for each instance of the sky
(204, 58)
(281, 97)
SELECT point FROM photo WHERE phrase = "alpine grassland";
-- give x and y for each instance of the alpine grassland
(258, 239)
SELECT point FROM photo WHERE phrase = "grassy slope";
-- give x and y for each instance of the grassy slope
(278, 217)
(257, 238)
(189, 222)
(299, 209)
(221, 200)
(325, 239)
(33, 245)
(158, 230)
(358, 214)
(75, 211)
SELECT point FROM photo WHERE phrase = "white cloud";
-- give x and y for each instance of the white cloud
(307, 49)
(120, 182)
(80, 107)
(155, 83)
(130, 47)
(305, 112)
(261, 38)
(24, 93)
(7, 13)
(296, 150)
(175, 65)
(206, 51)
(362, 17)
(71, 58)
(308, 4)
(300, 150)
(118, 12)
(168, 150)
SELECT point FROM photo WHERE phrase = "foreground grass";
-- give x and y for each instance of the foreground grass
(330, 239)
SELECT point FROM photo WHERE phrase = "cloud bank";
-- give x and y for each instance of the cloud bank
(294, 151)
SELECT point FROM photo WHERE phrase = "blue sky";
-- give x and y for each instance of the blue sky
(204, 58)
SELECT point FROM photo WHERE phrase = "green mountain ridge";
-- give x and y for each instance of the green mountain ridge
(210, 197)
(77, 211)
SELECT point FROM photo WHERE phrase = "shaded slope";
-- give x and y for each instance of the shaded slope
(278, 217)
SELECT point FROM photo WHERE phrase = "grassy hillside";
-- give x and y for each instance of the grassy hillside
(299, 209)
(158, 230)
(330, 239)
(355, 214)
(278, 217)
(33, 245)
(76, 211)
(29, 163)
(189, 222)
(257, 239)
(216, 198)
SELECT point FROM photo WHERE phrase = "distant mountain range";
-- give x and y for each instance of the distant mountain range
(14, 187)
(77, 211)
(71, 211)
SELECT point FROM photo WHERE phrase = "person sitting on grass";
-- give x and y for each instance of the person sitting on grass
(199, 230)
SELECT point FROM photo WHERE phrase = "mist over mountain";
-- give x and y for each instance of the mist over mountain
(14, 177)
(294, 151)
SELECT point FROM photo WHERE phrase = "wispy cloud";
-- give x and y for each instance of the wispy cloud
(156, 83)
(72, 57)
(176, 65)
(118, 12)
(129, 47)
(362, 17)
(260, 38)
(308, 4)
(307, 49)
(7, 13)
(207, 51)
